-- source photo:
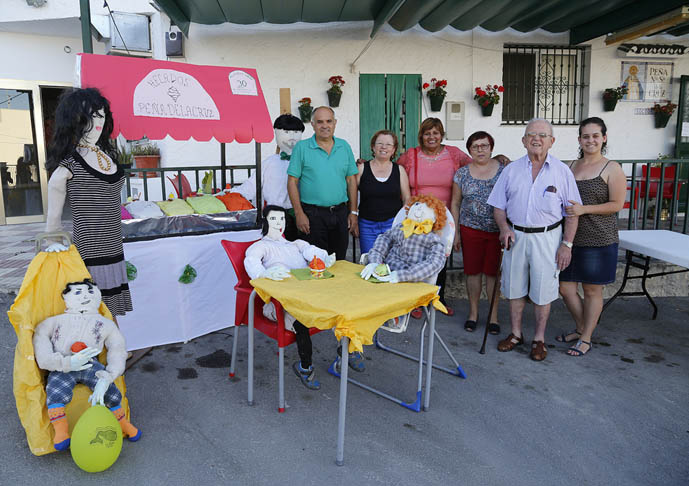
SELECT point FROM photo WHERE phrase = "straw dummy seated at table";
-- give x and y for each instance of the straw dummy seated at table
(67, 344)
(413, 249)
(273, 257)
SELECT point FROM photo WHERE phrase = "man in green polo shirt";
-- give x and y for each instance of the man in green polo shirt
(322, 186)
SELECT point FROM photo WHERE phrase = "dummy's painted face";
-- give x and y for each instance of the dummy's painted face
(97, 121)
(287, 139)
(276, 224)
(82, 300)
(421, 212)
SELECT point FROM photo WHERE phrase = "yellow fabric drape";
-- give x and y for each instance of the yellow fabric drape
(348, 304)
(40, 297)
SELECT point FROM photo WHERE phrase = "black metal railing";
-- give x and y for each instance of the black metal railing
(181, 174)
(657, 194)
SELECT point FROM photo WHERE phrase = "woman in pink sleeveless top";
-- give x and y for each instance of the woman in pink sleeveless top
(431, 167)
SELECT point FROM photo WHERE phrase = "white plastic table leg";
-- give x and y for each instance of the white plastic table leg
(344, 367)
(429, 366)
(250, 359)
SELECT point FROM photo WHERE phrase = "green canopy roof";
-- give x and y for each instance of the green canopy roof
(583, 19)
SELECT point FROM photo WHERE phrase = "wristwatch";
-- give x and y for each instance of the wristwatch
(355, 213)
(568, 244)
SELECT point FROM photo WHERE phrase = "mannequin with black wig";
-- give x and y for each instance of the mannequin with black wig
(273, 257)
(83, 162)
(73, 119)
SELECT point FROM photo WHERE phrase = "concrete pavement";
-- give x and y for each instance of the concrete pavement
(618, 415)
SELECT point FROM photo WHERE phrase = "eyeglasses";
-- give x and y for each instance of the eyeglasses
(381, 144)
(541, 135)
(480, 147)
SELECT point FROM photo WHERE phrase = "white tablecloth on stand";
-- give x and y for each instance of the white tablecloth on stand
(168, 311)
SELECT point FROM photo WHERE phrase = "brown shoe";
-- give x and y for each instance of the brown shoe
(509, 343)
(538, 351)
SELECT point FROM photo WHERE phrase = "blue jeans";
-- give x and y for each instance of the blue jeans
(369, 231)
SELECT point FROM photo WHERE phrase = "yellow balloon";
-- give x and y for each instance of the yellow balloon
(96, 440)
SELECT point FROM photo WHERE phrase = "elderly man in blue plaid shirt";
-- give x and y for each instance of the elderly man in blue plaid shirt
(412, 250)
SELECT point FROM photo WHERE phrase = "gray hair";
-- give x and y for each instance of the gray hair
(536, 120)
(325, 107)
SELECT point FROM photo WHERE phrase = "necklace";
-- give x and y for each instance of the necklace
(432, 158)
(105, 167)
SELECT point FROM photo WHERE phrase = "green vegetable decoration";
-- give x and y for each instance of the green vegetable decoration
(207, 183)
(131, 271)
(188, 275)
(382, 270)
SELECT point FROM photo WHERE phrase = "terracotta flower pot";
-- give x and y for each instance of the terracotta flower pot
(436, 102)
(609, 104)
(334, 99)
(661, 119)
(487, 110)
(147, 162)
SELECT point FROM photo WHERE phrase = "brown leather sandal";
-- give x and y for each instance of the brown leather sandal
(538, 350)
(510, 342)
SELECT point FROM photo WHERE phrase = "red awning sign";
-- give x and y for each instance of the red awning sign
(158, 98)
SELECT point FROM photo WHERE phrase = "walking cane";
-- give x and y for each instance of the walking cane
(492, 300)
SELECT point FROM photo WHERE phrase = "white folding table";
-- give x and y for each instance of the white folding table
(641, 246)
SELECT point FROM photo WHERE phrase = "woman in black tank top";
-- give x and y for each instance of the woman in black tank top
(383, 188)
(603, 186)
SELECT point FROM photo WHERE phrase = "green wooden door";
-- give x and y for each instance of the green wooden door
(391, 102)
(682, 142)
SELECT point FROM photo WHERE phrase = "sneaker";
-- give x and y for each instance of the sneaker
(356, 362)
(307, 377)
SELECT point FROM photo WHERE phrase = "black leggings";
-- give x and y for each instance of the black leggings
(304, 347)
(440, 282)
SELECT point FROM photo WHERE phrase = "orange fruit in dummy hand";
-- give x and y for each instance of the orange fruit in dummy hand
(78, 346)
(317, 267)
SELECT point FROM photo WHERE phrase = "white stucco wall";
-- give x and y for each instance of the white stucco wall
(303, 56)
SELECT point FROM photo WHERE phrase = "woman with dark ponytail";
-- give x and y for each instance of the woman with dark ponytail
(602, 186)
(83, 163)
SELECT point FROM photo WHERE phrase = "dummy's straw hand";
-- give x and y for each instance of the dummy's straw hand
(98, 395)
(392, 278)
(80, 361)
(368, 271)
(276, 273)
(330, 260)
(55, 247)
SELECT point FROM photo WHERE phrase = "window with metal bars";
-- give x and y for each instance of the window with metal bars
(545, 82)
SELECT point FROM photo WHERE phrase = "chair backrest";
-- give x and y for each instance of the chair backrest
(668, 181)
(655, 172)
(236, 250)
(447, 234)
(186, 187)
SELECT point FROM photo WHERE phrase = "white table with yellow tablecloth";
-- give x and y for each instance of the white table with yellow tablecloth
(354, 309)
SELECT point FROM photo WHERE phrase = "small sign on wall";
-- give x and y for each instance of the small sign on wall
(647, 81)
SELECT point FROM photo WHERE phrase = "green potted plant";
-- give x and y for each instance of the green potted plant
(611, 96)
(488, 98)
(305, 109)
(146, 156)
(436, 93)
(124, 158)
(335, 90)
(663, 113)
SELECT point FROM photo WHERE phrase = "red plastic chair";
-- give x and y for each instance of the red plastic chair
(186, 187)
(655, 179)
(236, 251)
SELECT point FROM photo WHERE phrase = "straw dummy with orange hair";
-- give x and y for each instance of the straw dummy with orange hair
(413, 249)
